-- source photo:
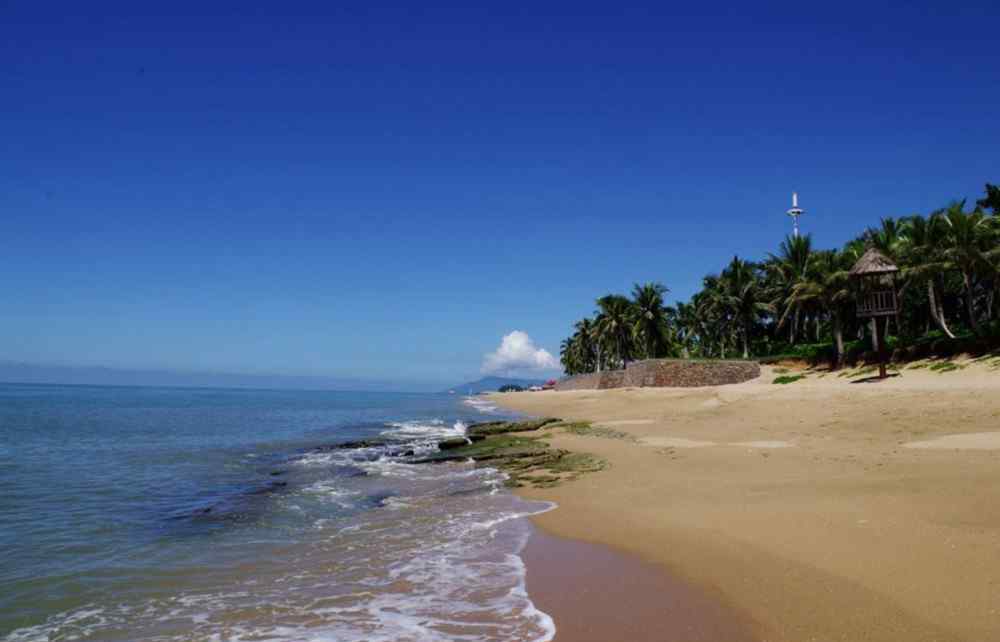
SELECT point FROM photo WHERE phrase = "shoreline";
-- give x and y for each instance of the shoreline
(617, 596)
(820, 509)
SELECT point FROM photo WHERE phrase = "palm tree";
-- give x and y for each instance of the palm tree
(921, 250)
(579, 352)
(827, 286)
(715, 327)
(684, 321)
(614, 325)
(887, 238)
(740, 297)
(968, 240)
(786, 269)
(650, 323)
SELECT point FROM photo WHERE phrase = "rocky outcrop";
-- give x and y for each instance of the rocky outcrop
(665, 373)
(510, 446)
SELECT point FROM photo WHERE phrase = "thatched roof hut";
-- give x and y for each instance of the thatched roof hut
(872, 263)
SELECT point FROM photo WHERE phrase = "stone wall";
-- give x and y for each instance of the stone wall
(593, 381)
(665, 373)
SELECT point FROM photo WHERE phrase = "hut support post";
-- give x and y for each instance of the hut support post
(881, 330)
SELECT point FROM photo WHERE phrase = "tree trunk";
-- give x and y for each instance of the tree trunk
(746, 342)
(969, 307)
(939, 286)
(936, 312)
(838, 339)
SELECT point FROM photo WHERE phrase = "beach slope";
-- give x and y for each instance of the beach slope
(830, 508)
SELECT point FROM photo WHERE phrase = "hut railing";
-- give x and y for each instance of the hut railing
(877, 303)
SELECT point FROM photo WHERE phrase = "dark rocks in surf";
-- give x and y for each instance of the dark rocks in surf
(527, 460)
(358, 444)
(488, 428)
(456, 442)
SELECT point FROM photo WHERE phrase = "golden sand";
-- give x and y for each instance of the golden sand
(820, 510)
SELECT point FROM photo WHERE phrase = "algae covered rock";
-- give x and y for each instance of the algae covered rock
(526, 459)
(488, 428)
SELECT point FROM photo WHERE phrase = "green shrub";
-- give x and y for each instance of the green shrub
(785, 379)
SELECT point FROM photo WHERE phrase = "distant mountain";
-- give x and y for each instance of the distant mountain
(490, 384)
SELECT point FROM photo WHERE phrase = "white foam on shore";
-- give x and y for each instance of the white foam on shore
(438, 561)
(484, 406)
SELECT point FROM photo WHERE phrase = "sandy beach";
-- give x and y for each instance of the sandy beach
(825, 509)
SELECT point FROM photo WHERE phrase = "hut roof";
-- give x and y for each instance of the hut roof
(873, 262)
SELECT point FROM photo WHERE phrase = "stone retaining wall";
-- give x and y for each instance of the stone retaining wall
(665, 373)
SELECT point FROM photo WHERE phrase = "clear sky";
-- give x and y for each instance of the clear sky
(383, 192)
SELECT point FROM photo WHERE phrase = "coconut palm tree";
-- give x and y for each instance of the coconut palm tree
(715, 327)
(650, 325)
(991, 201)
(579, 353)
(739, 296)
(968, 240)
(827, 286)
(685, 326)
(614, 327)
(922, 258)
(887, 238)
(786, 269)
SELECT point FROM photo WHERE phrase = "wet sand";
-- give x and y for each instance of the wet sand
(595, 594)
(821, 510)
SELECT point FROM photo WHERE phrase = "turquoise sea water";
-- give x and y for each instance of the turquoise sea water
(200, 514)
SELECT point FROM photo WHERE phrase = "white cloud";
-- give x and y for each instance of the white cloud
(518, 352)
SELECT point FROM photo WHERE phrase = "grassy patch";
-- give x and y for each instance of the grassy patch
(586, 429)
(946, 366)
(577, 463)
(786, 379)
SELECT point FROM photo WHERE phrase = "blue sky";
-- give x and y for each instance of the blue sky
(384, 191)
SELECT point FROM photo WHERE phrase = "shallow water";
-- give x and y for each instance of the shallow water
(173, 514)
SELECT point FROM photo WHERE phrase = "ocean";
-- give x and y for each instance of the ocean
(154, 514)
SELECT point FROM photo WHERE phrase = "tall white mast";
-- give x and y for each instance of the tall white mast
(795, 213)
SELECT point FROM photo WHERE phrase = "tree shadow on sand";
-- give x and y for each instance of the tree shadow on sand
(876, 378)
